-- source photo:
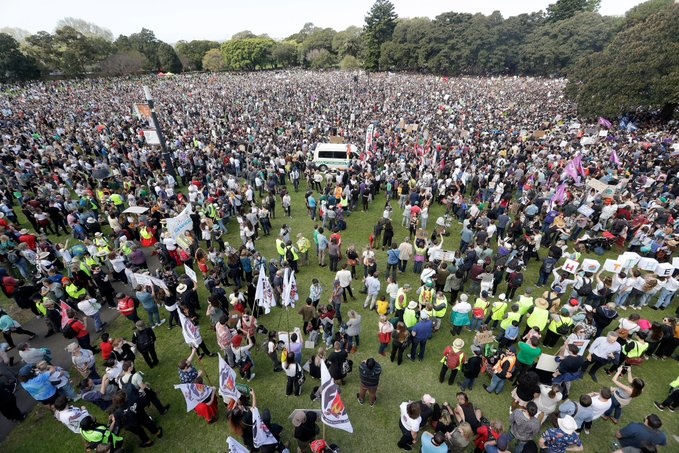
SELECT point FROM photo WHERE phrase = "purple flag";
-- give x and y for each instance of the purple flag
(615, 159)
(604, 122)
(577, 161)
(571, 171)
(560, 194)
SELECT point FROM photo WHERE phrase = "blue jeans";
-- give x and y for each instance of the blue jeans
(476, 323)
(621, 299)
(154, 315)
(664, 299)
(413, 350)
(98, 324)
(497, 384)
(542, 280)
(467, 383)
(615, 410)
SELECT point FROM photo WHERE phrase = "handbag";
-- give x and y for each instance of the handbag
(384, 337)
(623, 333)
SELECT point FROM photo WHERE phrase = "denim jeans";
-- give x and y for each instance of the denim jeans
(615, 410)
(154, 315)
(621, 299)
(467, 383)
(476, 323)
(664, 299)
(97, 321)
(497, 384)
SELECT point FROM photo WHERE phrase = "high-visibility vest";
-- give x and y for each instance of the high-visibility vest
(511, 316)
(563, 320)
(538, 318)
(409, 318)
(525, 303)
(497, 310)
(125, 249)
(426, 296)
(100, 435)
(512, 362)
(675, 383)
(638, 349)
(144, 233)
(74, 292)
(443, 302)
(404, 300)
(280, 247)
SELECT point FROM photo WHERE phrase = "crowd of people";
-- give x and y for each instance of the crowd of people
(505, 161)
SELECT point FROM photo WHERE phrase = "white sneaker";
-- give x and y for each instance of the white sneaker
(162, 321)
(154, 326)
(252, 376)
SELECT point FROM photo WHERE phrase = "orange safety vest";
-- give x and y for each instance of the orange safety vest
(498, 366)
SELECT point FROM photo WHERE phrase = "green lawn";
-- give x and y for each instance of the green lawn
(186, 432)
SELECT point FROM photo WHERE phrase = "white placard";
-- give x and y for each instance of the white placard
(585, 210)
(147, 280)
(629, 259)
(151, 137)
(443, 255)
(570, 266)
(603, 133)
(613, 266)
(647, 264)
(191, 273)
(590, 265)
(581, 344)
(547, 362)
(675, 262)
(664, 269)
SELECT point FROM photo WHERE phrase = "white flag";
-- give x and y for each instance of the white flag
(264, 293)
(227, 380)
(260, 432)
(290, 294)
(194, 394)
(235, 446)
(333, 411)
(191, 333)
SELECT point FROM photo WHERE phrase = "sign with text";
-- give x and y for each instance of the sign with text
(590, 265)
(647, 264)
(570, 266)
(613, 266)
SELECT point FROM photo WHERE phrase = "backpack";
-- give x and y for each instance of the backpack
(517, 279)
(586, 288)
(68, 331)
(12, 256)
(289, 257)
(144, 341)
(563, 329)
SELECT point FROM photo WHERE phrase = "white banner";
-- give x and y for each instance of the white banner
(264, 294)
(147, 280)
(194, 394)
(227, 380)
(260, 432)
(177, 225)
(190, 331)
(235, 446)
(290, 294)
(369, 132)
(191, 273)
(333, 411)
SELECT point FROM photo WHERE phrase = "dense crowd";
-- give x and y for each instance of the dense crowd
(505, 158)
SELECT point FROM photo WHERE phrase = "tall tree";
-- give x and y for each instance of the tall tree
(284, 53)
(247, 54)
(565, 9)
(192, 52)
(14, 65)
(168, 60)
(88, 29)
(42, 48)
(17, 33)
(213, 61)
(125, 62)
(639, 68)
(379, 26)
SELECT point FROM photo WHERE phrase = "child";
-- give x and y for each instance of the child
(382, 305)
(327, 319)
(510, 335)
(533, 332)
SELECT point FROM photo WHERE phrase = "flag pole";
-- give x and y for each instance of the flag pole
(207, 378)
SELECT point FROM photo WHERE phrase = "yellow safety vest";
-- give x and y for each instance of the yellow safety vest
(280, 247)
(409, 318)
(538, 318)
(404, 300)
(637, 350)
(442, 312)
(497, 311)
(563, 320)
(426, 296)
(303, 244)
(511, 316)
(525, 303)
(144, 233)
(74, 292)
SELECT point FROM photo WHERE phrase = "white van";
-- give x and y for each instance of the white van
(332, 155)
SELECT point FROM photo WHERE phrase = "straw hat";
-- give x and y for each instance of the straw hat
(541, 303)
(412, 305)
(567, 424)
(458, 344)
(181, 288)
(72, 347)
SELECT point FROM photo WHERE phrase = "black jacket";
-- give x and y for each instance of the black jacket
(370, 377)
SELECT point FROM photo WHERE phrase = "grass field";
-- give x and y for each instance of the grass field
(375, 428)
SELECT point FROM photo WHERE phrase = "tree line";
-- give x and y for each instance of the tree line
(634, 58)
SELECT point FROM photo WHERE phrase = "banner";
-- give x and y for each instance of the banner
(64, 316)
(290, 294)
(191, 273)
(333, 411)
(190, 331)
(369, 132)
(260, 432)
(227, 380)
(177, 225)
(194, 394)
(264, 293)
(235, 446)
(147, 280)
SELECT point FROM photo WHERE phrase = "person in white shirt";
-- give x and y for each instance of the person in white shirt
(667, 293)
(392, 291)
(70, 416)
(601, 402)
(602, 351)
(91, 308)
(409, 423)
(373, 285)
(344, 277)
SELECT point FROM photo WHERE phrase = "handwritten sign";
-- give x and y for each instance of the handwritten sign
(629, 259)
(570, 266)
(647, 264)
(613, 266)
(590, 265)
(191, 273)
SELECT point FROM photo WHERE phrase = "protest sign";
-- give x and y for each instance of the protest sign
(629, 259)
(570, 266)
(664, 269)
(191, 273)
(590, 265)
(612, 266)
(647, 264)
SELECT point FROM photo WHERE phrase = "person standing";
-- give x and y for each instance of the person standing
(634, 434)
(405, 253)
(453, 359)
(385, 331)
(127, 308)
(562, 439)
(91, 308)
(602, 352)
(524, 425)
(292, 372)
(373, 287)
(344, 278)
(10, 326)
(503, 371)
(420, 334)
(147, 300)
(410, 424)
(145, 340)
(369, 374)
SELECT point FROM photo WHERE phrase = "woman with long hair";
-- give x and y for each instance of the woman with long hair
(292, 370)
(399, 342)
(669, 340)
(623, 394)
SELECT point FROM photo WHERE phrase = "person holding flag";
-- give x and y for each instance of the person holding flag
(333, 411)
(192, 335)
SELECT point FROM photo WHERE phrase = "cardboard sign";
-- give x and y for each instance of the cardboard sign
(570, 266)
(336, 139)
(191, 273)
(647, 264)
(585, 210)
(421, 234)
(613, 266)
(664, 269)
(582, 345)
(484, 337)
(590, 265)
(443, 255)
(547, 362)
(629, 259)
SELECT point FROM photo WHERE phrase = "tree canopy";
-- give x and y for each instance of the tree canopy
(14, 65)
(379, 26)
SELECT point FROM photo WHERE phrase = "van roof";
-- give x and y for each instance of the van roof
(334, 147)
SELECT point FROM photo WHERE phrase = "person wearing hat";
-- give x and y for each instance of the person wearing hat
(497, 312)
(564, 438)
(401, 301)
(420, 334)
(538, 316)
(410, 315)
(453, 359)
(559, 325)
(459, 317)
(306, 428)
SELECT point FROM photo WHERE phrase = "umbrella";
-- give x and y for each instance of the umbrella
(101, 173)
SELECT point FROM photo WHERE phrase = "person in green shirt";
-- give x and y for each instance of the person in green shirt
(527, 355)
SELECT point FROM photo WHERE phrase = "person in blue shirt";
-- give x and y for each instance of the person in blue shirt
(634, 434)
(38, 386)
(421, 333)
(433, 443)
(393, 260)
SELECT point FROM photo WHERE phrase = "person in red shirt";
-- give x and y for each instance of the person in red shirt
(106, 346)
(82, 335)
(126, 307)
(28, 239)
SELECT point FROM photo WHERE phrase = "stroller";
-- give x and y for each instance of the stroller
(598, 245)
(443, 226)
